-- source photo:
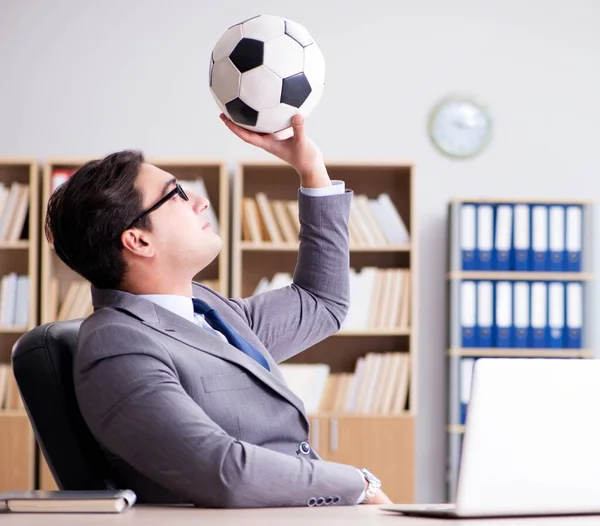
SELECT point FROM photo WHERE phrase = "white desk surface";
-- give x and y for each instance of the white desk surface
(330, 516)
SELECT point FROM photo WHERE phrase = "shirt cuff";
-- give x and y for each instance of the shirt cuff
(363, 494)
(337, 187)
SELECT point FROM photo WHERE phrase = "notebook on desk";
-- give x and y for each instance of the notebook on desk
(39, 501)
(531, 442)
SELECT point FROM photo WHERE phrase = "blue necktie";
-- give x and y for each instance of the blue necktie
(219, 324)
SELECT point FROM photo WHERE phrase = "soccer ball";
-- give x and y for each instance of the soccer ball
(265, 70)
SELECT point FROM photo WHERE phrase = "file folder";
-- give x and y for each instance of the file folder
(574, 314)
(556, 235)
(539, 314)
(485, 237)
(556, 314)
(485, 313)
(503, 237)
(468, 234)
(521, 237)
(468, 310)
(574, 237)
(504, 318)
(521, 314)
(466, 377)
(539, 237)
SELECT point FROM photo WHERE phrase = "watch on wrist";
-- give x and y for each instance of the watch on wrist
(373, 485)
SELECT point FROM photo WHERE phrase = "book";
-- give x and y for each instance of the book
(68, 501)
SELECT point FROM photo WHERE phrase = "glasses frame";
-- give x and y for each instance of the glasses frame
(177, 190)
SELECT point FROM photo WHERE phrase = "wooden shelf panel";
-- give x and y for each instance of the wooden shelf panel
(519, 200)
(522, 353)
(374, 332)
(22, 244)
(456, 428)
(12, 329)
(293, 247)
(522, 276)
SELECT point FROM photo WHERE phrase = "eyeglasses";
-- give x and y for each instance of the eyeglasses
(177, 190)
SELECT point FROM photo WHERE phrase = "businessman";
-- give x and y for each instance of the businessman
(178, 384)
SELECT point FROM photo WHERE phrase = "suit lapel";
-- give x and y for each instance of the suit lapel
(200, 339)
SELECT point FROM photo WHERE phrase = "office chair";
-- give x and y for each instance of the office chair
(42, 362)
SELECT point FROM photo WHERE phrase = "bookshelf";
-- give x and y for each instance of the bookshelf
(57, 279)
(351, 421)
(518, 287)
(19, 237)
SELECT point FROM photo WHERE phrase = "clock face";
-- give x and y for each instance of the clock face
(460, 127)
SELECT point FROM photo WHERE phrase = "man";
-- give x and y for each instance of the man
(187, 401)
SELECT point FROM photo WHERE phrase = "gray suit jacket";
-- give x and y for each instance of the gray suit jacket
(186, 417)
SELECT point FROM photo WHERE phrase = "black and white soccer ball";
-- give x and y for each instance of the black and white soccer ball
(265, 70)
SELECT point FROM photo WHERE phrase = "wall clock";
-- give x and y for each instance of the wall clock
(459, 127)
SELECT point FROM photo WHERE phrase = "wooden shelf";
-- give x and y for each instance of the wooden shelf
(522, 352)
(23, 244)
(17, 444)
(12, 330)
(522, 276)
(456, 429)
(392, 457)
(521, 200)
(374, 332)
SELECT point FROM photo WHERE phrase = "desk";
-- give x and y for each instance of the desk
(331, 516)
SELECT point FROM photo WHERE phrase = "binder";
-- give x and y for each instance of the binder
(539, 237)
(468, 306)
(539, 314)
(556, 314)
(485, 237)
(521, 237)
(574, 314)
(468, 233)
(503, 237)
(504, 315)
(485, 313)
(521, 314)
(556, 238)
(574, 239)
(466, 377)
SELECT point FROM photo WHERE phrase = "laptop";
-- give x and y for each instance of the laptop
(531, 445)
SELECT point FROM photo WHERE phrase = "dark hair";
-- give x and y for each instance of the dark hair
(87, 214)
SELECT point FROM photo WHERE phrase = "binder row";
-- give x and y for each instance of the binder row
(521, 237)
(521, 314)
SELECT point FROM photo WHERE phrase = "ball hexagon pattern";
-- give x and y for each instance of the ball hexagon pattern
(265, 70)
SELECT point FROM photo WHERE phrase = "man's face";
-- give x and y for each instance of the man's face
(182, 238)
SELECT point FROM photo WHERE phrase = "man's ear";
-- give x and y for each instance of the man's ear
(137, 242)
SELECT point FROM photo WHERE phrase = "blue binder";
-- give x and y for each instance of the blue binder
(465, 381)
(502, 254)
(485, 313)
(468, 313)
(574, 240)
(574, 314)
(468, 235)
(503, 330)
(539, 314)
(521, 314)
(556, 238)
(521, 237)
(539, 237)
(485, 237)
(556, 314)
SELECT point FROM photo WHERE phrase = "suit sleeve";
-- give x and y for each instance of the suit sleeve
(314, 306)
(135, 406)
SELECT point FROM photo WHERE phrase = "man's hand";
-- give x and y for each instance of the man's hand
(380, 498)
(299, 151)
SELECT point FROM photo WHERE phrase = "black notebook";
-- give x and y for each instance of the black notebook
(99, 501)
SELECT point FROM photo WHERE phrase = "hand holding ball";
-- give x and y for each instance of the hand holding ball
(265, 70)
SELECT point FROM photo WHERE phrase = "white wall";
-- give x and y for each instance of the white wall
(86, 78)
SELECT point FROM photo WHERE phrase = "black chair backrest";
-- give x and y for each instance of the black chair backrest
(42, 362)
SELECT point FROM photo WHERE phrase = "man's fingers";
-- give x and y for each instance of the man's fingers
(256, 139)
(298, 127)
